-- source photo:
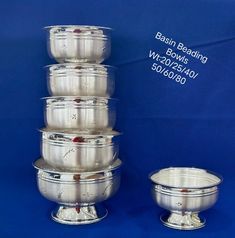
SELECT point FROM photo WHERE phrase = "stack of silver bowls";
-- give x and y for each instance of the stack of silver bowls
(79, 167)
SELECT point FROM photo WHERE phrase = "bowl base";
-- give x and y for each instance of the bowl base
(79, 215)
(183, 221)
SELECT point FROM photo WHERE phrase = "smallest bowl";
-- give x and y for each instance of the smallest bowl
(76, 43)
(184, 192)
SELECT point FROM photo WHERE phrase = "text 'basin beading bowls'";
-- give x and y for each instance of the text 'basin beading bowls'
(79, 151)
(184, 192)
(74, 43)
(78, 194)
(82, 113)
(80, 79)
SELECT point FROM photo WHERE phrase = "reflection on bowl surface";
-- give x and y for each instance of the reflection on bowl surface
(78, 192)
(79, 151)
(80, 79)
(79, 43)
(82, 113)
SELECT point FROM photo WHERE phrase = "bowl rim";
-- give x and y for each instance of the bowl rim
(82, 64)
(218, 176)
(71, 25)
(80, 97)
(80, 133)
(49, 169)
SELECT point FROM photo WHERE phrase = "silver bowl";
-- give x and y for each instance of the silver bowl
(79, 151)
(71, 43)
(184, 192)
(82, 113)
(78, 194)
(80, 79)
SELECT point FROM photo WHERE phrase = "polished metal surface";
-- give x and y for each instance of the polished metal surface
(77, 193)
(183, 221)
(83, 113)
(184, 192)
(73, 43)
(79, 151)
(79, 215)
(80, 79)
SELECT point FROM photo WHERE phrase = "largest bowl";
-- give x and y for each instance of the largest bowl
(79, 151)
(83, 113)
(77, 193)
(184, 192)
(74, 43)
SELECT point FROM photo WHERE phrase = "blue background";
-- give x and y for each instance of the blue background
(164, 123)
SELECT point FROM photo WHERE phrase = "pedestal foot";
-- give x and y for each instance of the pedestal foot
(79, 215)
(183, 221)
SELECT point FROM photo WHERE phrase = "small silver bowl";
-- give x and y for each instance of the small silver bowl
(82, 113)
(74, 43)
(184, 192)
(79, 151)
(78, 194)
(80, 79)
